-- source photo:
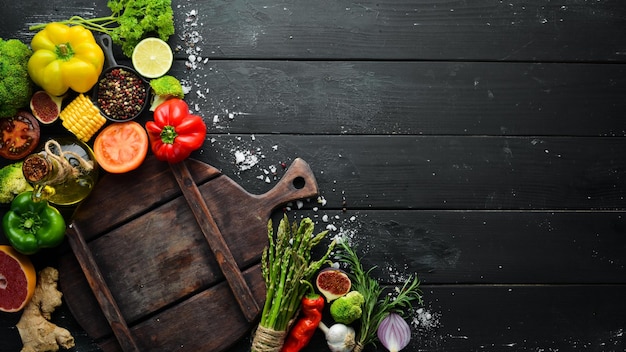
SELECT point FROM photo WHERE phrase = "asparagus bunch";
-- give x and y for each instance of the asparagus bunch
(287, 269)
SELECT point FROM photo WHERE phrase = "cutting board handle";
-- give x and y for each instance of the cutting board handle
(298, 182)
(213, 235)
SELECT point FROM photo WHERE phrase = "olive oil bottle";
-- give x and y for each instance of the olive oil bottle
(64, 172)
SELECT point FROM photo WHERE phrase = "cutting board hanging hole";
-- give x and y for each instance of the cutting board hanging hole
(299, 182)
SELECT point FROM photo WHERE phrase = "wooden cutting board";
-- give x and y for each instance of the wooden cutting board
(167, 257)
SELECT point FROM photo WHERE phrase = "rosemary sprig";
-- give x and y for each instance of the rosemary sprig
(377, 305)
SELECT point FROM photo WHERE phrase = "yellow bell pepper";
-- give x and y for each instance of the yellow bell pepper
(65, 57)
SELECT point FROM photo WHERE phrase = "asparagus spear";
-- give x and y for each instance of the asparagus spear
(287, 266)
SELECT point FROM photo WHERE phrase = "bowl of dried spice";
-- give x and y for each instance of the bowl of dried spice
(121, 93)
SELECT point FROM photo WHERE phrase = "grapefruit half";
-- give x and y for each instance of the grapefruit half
(17, 279)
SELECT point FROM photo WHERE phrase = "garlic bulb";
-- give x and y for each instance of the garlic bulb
(339, 337)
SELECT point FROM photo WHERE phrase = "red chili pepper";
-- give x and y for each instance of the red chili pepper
(300, 334)
(175, 132)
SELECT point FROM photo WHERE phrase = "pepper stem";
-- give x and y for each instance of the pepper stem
(168, 134)
(28, 224)
(65, 51)
(311, 289)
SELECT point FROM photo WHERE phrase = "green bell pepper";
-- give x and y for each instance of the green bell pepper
(31, 225)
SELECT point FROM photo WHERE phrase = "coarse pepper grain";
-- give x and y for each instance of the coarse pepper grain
(121, 94)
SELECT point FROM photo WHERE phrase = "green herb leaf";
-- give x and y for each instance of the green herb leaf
(377, 304)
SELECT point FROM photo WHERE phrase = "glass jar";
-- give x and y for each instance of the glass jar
(64, 172)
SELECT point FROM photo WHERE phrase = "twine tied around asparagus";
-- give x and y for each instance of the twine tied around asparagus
(268, 340)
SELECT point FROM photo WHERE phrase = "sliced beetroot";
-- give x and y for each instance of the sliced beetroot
(333, 283)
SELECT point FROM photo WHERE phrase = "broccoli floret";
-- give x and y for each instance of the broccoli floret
(12, 182)
(165, 87)
(348, 308)
(16, 87)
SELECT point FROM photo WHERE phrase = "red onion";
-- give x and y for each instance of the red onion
(394, 332)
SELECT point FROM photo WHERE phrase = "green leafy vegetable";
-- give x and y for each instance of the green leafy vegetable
(130, 22)
(164, 88)
(348, 308)
(16, 87)
(377, 304)
(12, 182)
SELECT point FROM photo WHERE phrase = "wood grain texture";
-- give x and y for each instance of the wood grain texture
(483, 247)
(480, 30)
(100, 290)
(227, 263)
(117, 187)
(166, 253)
(170, 329)
(498, 318)
(441, 172)
(483, 30)
(557, 317)
(478, 144)
(415, 98)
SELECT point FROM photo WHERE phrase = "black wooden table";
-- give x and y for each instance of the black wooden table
(480, 144)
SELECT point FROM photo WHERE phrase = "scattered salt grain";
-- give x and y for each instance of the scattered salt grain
(422, 319)
(186, 86)
(191, 38)
(239, 157)
(299, 204)
(245, 160)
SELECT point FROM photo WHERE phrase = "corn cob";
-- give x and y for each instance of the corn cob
(82, 118)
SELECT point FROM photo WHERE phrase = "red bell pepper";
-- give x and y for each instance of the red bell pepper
(311, 307)
(175, 132)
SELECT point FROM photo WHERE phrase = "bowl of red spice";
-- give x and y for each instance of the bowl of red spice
(121, 93)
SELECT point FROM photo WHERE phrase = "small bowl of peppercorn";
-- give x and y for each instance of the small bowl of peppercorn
(121, 93)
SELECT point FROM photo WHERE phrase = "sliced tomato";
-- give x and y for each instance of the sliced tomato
(121, 147)
(20, 135)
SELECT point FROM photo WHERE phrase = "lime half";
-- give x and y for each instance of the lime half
(152, 57)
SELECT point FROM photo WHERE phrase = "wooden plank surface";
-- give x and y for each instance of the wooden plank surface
(407, 97)
(479, 30)
(440, 172)
(484, 247)
(477, 143)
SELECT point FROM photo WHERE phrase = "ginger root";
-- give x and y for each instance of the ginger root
(37, 332)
